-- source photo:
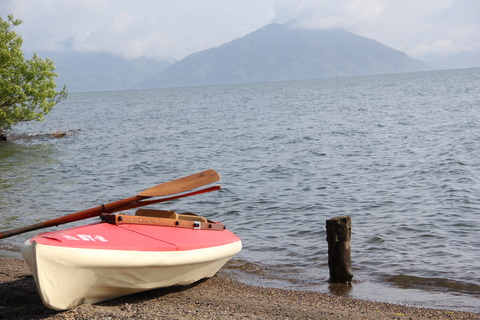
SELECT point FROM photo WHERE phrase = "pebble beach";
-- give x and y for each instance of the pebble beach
(214, 298)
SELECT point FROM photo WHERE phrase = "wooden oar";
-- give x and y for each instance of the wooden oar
(168, 188)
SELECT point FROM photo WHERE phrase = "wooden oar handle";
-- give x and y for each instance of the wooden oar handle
(85, 214)
(9, 233)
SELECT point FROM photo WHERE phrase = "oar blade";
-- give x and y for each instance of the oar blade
(194, 181)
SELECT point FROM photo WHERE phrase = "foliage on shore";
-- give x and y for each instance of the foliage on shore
(27, 87)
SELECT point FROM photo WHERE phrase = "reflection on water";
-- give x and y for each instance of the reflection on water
(340, 289)
(24, 169)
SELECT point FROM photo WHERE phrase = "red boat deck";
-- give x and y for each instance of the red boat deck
(136, 237)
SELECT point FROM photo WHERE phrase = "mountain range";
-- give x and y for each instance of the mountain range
(84, 71)
(272, 53)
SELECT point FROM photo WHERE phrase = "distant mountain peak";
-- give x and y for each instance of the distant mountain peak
(281, 52)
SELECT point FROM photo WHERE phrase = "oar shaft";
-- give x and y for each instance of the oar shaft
(9, 233)
(90, 213)
(84, 214)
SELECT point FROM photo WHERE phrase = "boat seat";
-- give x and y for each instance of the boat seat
(157, 213)
(166, 214)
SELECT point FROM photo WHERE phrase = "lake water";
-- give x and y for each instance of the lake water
(400, 154)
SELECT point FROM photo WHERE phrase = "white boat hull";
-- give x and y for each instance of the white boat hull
(67, 277)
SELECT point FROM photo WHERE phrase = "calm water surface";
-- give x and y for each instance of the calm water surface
(400, 154)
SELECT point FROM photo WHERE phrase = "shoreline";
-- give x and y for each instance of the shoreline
(214, 298)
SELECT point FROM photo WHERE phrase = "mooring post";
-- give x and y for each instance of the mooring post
(339, 231)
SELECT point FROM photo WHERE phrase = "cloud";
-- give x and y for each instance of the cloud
(416, 27)
(174, 29)
(328, 13)
(155, 28)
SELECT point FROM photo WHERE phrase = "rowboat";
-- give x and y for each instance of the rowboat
(125, 254)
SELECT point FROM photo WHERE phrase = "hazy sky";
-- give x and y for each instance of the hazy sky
(174, 29)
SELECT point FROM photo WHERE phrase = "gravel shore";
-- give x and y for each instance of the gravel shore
(215, 298)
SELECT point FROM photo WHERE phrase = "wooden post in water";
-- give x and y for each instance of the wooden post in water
(339, 231)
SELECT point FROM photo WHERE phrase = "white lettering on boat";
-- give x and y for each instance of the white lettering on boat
(85, 237)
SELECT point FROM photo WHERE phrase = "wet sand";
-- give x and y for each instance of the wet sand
(215, 298)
